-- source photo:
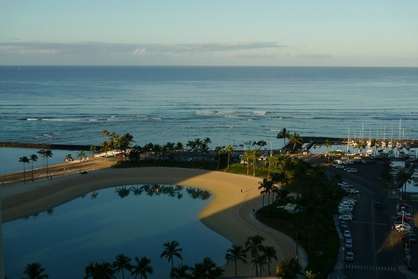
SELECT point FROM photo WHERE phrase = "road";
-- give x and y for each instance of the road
(377, 251)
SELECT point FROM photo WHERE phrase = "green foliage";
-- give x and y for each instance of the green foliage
(319, 200)
(209, 165)
(199, 145)
(116, 142)
(34, 271)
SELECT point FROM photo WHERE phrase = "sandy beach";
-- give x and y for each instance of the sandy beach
(229, 213)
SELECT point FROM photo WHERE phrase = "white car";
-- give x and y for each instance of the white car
(345, 208)
(347, 234)
(348, 243)
(349, 256)
(348, 202)
(346, 217)
(403, 227)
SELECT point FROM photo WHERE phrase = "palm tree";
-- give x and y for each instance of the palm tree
(46, 154)
(24, 160)
(99, 271)
(81, 155)
(270, 254)
(142, 268)
(35, 271)
(229, 149)
(266, 187)
(181, 272)
(247, 156)
(171, 250)
(235, 254)
(207, 270)
(219, 150)
(283, 134)
(33, 158)
(295, 140)
(259, 261)
(254, 245)
(121, 264)
(271, 161)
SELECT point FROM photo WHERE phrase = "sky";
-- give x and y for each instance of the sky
(215, 32)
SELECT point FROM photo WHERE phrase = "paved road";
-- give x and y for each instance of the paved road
(371, 228)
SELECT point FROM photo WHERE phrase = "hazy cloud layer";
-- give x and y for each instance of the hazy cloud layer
(135, 49)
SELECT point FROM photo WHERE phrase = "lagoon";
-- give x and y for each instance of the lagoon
(103, 224)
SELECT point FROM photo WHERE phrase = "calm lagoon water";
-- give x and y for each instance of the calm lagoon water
(102, 224)
(9, 158)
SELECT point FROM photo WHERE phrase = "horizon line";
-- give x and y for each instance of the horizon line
(207, 66)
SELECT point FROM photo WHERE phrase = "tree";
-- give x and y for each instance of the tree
(266, 187)
(283, 134)
(81, 155)
(288, 269)
(269, 254)
(121, 264)
(181, 272)
(295, 140)
(99, 271)
(117, 142)
(235, 254)
(228, 150)
(33, 158)
(34, 271)
(46, 154)
(142, 268)
(271, 161)
(254, 245)
(207, 269)
(247, 156)
(171, 250)
(199, 145)
(24, 160)
(219, 150)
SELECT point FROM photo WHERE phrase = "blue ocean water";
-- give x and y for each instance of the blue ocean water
(227, 104)
(101, 225)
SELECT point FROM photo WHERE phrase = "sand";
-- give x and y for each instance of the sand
(229, 212)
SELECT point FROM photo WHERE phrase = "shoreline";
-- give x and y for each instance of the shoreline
(229, 212)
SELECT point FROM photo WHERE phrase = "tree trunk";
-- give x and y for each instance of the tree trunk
(32, 172)
(236, 268)
(24, 172)
(228, 159)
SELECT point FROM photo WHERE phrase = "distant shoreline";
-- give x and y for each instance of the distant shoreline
(86, 147)
(70, 147)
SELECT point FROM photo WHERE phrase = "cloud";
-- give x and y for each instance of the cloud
(44, 48)
(139, 51)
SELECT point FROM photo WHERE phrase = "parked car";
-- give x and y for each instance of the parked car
(347, 234)
(346, 217)
(349, 256)
(348, 244)
(404, 227)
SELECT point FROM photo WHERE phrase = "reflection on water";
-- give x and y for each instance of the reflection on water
(134, 220)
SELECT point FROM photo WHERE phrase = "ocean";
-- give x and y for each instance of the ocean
(228, 104)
